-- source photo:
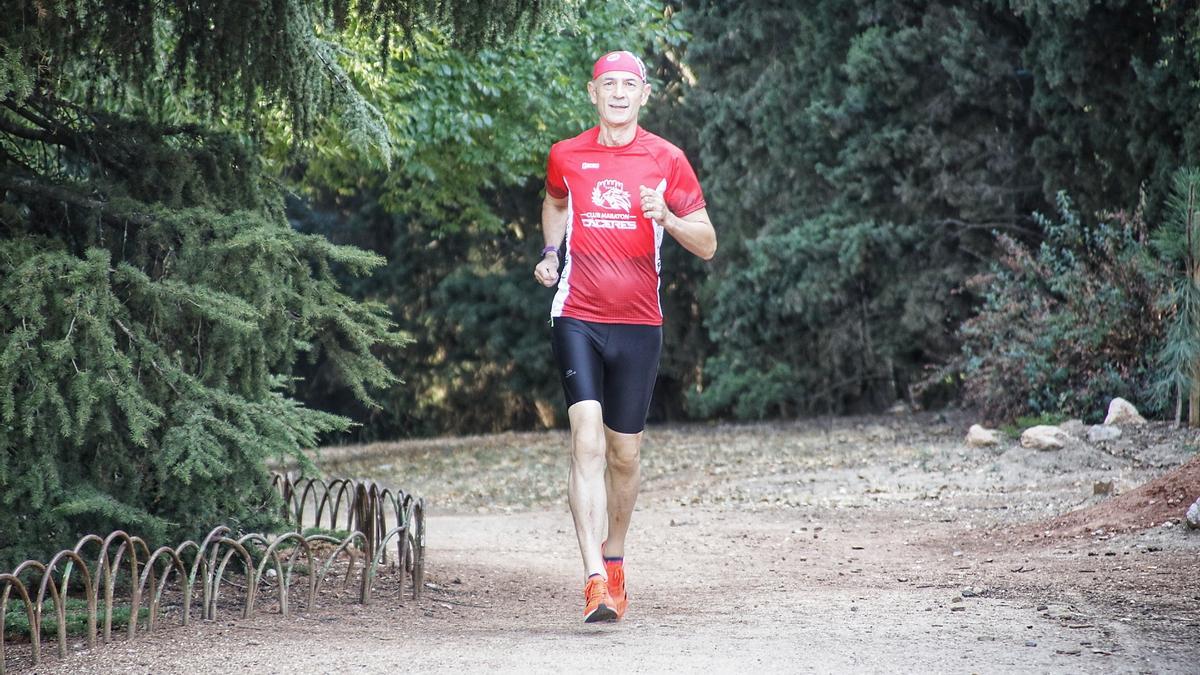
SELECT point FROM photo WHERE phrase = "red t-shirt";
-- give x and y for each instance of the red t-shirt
(611, 271)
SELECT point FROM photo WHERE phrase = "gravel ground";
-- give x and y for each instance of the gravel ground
(861, 545)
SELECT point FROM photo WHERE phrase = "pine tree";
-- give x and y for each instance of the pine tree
(154, 300)
(1177, 244)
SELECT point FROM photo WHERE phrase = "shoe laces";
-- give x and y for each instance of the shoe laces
(594, 590)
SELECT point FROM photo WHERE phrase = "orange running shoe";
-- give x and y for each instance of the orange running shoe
(615, 569)
(599, 606)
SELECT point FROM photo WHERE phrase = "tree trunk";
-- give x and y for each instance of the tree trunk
(1193, 269)
(1194, 404)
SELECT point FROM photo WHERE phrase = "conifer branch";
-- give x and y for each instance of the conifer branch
(40, 122)
(133, 340)
(55, 192)
(30, 134)
(995, 225)
(22, 161)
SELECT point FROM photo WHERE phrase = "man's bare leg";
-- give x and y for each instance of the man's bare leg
(622, 477)
(586, 486)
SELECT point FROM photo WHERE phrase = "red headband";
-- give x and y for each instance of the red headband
(622, 61)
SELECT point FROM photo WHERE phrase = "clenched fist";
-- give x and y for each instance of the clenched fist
(654, 206)
(546, 271)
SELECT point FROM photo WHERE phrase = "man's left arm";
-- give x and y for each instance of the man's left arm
(694, 231)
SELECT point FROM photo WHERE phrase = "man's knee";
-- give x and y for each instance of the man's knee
(623, 456)
(587, 432)
(587, 445)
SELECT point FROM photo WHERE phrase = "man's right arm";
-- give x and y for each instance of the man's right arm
(554, 227)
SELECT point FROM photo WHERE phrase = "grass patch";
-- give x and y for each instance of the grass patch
(16, 622)
(1022, 423)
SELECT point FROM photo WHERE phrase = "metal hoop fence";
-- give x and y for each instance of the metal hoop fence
(200, 568)
(358, 506)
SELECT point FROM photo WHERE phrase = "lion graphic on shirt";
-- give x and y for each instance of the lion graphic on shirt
(611, 194)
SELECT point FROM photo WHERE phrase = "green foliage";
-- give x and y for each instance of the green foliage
(1115, 94)
(1024, 422)
(1177, 245)
(908, 133)
(785, 294)
(1067, 326)
(475, 124)
(846, 178)
(244, 60)
(16, 622)
(151, 380)
(154, 301)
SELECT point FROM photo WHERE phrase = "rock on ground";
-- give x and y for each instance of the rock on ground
(1193, 516)
(979, 437)
(1075, 428)
(1121, 412)
(1103, 432)
(1044, 437)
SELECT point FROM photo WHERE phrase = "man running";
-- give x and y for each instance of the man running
(611, 193)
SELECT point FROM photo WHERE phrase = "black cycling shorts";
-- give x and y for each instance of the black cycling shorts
(613, 363)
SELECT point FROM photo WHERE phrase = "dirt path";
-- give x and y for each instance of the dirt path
(868, 546)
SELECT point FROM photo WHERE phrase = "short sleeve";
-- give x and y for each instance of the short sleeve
(556, 186)
(683, 194)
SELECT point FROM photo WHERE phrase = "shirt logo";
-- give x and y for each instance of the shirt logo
(610, 194)
(591, 165)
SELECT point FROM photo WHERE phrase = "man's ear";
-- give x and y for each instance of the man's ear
(591, 87)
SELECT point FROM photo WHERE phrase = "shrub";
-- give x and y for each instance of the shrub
(1065, 326)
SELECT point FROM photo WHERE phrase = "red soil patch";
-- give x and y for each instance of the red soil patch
(1164, 498)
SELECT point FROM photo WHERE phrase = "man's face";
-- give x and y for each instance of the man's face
(618, 96)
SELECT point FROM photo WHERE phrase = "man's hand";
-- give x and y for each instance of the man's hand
(546, 271)
(654, 206)
(693, 231)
